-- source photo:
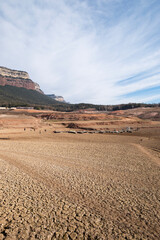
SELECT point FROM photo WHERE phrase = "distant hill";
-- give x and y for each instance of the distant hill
(18, 90)
(17, 78)
(11, 96)
(18, 96)
(57, 98)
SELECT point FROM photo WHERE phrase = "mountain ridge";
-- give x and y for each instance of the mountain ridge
(57, 98)
(17, 89)
(19, 96)
(17, 78)
(21, 79)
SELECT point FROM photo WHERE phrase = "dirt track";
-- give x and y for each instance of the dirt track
(78, 187)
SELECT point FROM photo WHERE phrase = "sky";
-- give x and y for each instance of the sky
(88, 51)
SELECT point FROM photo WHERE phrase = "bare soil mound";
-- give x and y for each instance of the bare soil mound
(143, 113)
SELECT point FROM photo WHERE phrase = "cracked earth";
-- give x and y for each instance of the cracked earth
(78, 187)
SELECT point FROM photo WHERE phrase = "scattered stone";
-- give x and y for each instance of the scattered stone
(74, 132)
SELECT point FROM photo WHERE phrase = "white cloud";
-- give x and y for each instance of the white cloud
(79, 50)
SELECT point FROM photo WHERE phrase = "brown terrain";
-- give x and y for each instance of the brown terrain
(80, 175)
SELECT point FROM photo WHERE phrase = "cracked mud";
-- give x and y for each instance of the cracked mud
(78, 187)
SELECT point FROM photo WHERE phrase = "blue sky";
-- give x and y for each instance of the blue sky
(101, 51)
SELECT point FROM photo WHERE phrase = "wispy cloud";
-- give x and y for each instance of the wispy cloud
(98, 51)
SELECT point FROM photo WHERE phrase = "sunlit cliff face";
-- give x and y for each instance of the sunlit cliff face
(18, 79)
(6, 72)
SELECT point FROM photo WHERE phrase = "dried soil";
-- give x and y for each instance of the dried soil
(64, 186)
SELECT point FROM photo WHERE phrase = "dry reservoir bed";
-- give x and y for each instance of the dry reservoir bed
(78, 187)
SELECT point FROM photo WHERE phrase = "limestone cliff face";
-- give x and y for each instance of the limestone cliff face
(57, 98)
(18, 79)
(37, 88)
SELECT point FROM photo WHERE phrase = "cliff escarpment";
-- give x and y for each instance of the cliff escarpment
(17, 79)
(57, 98)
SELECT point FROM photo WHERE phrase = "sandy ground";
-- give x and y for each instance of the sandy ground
(64, 186)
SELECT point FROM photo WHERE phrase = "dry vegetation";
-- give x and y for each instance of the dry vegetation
(79, 186)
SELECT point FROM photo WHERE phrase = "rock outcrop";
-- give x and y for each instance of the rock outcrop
(57, 98)
(18, 79)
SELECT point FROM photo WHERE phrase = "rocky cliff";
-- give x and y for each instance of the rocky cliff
(18, 79)
(57, 98)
